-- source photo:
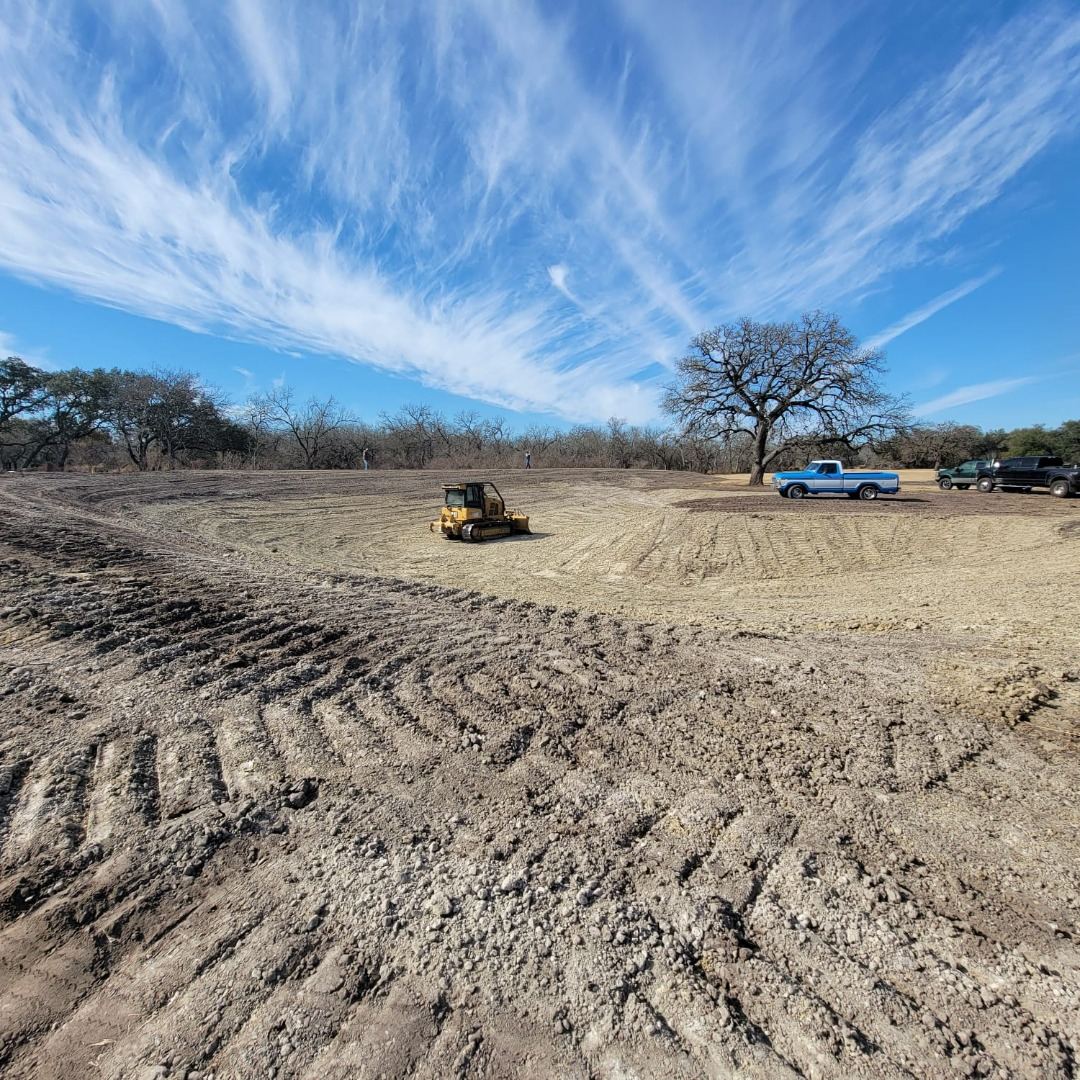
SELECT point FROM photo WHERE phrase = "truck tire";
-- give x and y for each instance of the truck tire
(797, 491)
(945, 483)
(985, 485)
(868, 492)
(1060, 489)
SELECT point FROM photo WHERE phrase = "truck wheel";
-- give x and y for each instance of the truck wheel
(796, 491)
(1060, 489)
(868, 492)
(944, 483)
(985, 485)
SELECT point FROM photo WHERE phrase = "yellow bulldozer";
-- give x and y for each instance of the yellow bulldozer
(475, 511)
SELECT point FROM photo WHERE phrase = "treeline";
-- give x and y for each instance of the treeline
(112, 418)
(142, 420)
(931, 445)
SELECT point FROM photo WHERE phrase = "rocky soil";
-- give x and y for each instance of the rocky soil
(264, 817)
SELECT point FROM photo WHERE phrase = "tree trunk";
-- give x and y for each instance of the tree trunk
(761, 442)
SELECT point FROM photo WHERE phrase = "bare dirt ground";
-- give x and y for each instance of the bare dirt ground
(693, 782)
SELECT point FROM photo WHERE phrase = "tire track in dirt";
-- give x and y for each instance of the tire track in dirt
(488, 860)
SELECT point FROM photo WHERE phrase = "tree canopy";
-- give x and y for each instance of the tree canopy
(783, 385)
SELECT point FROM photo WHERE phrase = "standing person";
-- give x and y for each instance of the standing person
(365, 457)
(528, 459)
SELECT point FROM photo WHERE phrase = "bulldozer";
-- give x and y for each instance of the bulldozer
(475, 511)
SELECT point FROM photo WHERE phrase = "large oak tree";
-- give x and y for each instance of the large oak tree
(781, 386)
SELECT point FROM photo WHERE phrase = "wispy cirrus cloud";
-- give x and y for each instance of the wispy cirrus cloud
(967, 395)
(928, 310)
(415, 187)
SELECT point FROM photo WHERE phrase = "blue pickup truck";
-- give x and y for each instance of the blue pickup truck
(829, 478)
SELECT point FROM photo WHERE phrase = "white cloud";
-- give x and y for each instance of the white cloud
(920, 315)
(558, 274)
(266, 51)
(966, 395)
(388, 185)
(930, 377)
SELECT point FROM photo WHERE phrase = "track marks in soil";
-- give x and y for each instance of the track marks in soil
(189, 770)
(12, 776)
(144, 786)
(638, 787)
(50, 814)
(113, 808)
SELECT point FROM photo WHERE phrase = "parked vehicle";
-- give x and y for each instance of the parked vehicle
(1025, 473)
(961, 476)
(829, 478)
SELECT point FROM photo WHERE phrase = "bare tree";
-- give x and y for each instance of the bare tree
(469, 427)
(256, 418)
(782, 384)
(620, 440)
(310, 424)
(538, 439)
(411, 433)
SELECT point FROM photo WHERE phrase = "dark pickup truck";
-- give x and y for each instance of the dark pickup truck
(1025, 473)
(961, 476)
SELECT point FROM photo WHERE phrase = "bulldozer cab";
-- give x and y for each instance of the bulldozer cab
(484, 497)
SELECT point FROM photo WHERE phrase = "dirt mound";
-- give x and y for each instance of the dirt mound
(265, 818)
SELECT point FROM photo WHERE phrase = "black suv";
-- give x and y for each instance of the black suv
(1025, 473)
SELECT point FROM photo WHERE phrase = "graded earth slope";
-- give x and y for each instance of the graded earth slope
(375, 804)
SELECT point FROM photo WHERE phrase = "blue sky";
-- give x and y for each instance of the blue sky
(531, 207)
